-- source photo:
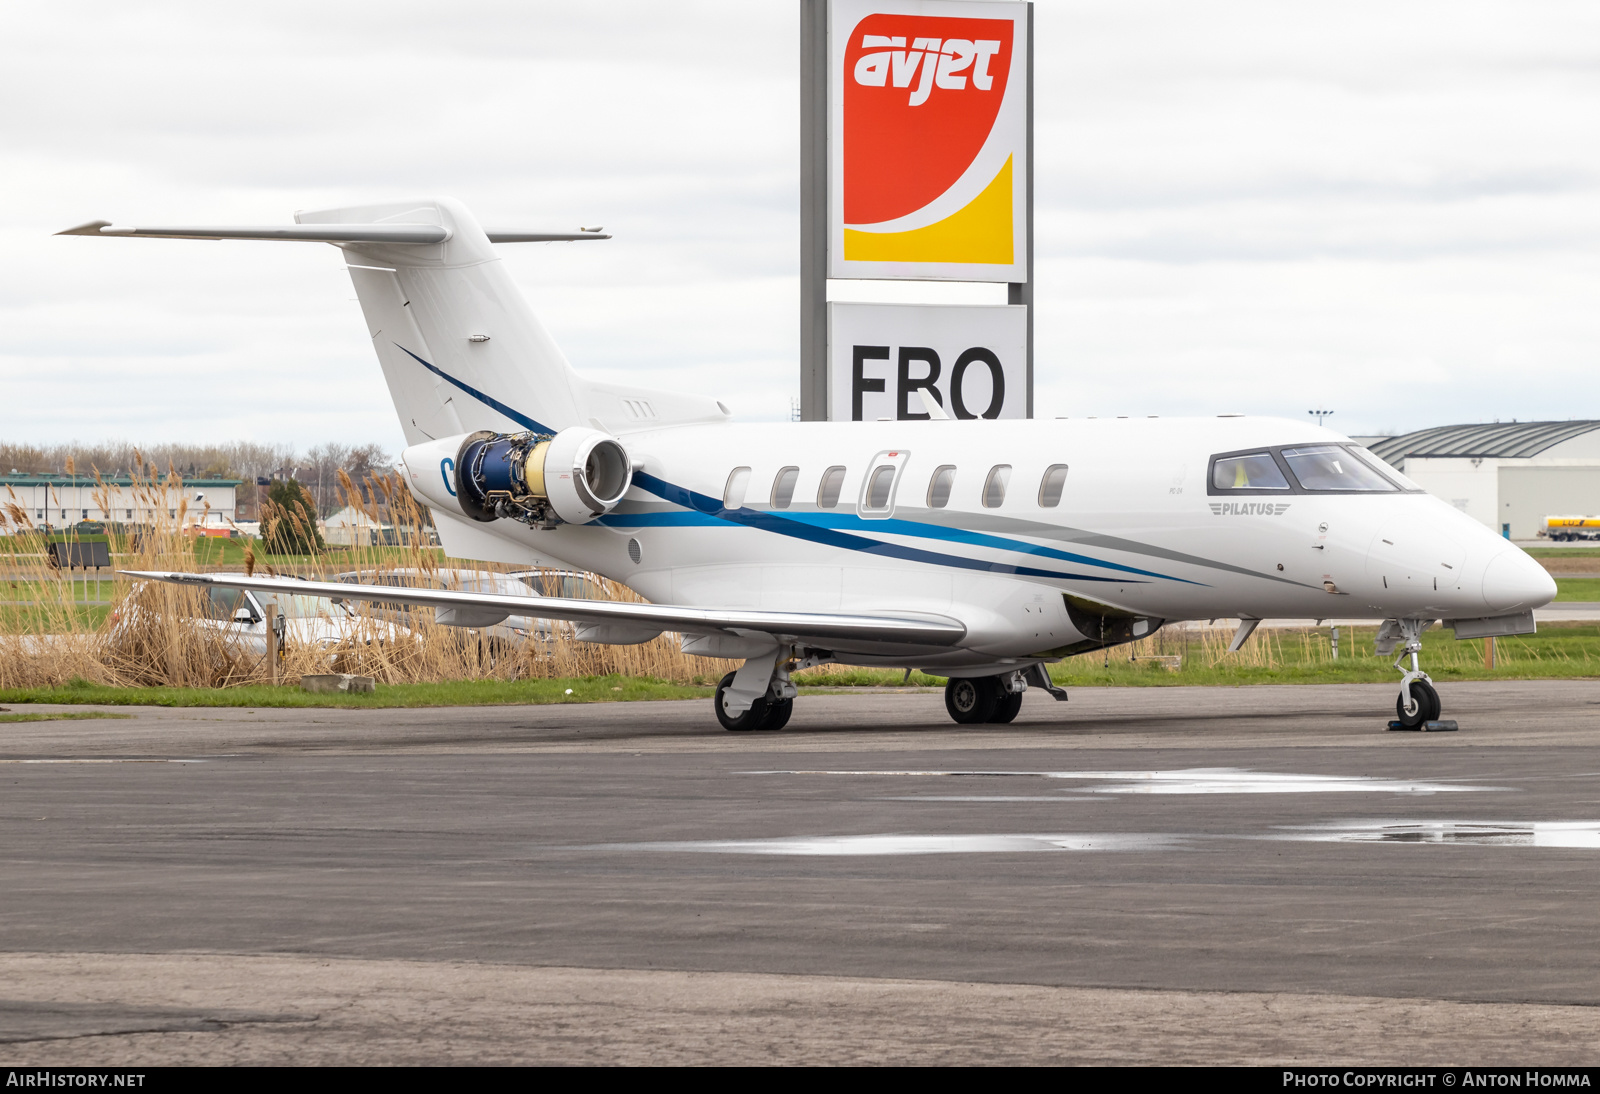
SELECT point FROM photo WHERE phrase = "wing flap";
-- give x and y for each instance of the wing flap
(928, 631)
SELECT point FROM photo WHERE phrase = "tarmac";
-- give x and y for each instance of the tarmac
(1160, 875)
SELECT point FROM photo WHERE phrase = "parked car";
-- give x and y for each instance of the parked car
(504, 637)
(241, 615)
(571, 584)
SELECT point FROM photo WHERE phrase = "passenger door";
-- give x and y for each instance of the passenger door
(880, 484)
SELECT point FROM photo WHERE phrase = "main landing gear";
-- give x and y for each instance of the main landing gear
(767, 712)
(972, 700)
(760, 694)
(1417, 706)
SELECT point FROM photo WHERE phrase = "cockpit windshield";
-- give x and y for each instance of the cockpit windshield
(1332, 467)
(1382, 467)
(1306, 469)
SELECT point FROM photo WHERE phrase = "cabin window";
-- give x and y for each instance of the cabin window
(939, 486)
(733, 495)
(879, 486)
(994, 487)
(1050, 487)
(1257, 471)
(1329, 467)
(783, 487)
(828, 492)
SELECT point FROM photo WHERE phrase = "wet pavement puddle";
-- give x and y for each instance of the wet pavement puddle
(1580, 834)
(1196, 780)
(1583, 835)
(915, 845)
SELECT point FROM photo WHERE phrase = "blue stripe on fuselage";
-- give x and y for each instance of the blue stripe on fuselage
(812, 527)
(829, 537)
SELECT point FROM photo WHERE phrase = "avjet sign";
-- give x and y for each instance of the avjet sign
(972, 361)
(928, 140)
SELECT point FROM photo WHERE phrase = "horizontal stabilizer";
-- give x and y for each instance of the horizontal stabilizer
(324, 233)
(938, 631)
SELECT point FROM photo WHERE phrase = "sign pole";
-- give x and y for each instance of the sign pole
(1023, 293)
(813, 210)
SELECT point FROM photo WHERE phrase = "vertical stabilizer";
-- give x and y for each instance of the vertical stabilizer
(460, 348)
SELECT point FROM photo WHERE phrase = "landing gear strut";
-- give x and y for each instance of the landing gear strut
(1418, 703)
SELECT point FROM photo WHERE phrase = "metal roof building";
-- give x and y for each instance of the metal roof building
(1501, 440)
(1509, 475)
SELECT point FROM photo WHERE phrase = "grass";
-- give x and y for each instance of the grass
(1563, 552)
(591, 689)
(26, 619)
(1577, 588)
(27, 590)
(229, 554)
(61, 716)
(1558, 651)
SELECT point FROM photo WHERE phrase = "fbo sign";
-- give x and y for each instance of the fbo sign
(888, 360)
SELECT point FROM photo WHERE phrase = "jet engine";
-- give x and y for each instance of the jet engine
(542, 480)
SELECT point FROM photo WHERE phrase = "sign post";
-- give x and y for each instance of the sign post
(916, 165)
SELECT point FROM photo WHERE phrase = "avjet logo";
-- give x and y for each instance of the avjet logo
(1249, 508)
(926, 362)
(945, 64)
(920, 98)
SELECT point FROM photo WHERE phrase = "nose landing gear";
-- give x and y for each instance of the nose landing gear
(1417, 706)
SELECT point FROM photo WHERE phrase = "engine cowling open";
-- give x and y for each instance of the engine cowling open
(572, 477)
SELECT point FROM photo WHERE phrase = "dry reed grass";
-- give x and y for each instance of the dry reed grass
(157, 633)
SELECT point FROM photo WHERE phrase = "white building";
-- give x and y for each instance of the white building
(350, 527)
(63, 500)
(1510, 476)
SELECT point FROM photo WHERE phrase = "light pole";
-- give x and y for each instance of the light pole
(1319, 414)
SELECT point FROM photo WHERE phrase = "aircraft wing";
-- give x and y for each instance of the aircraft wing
(324, 233)
(872, 630)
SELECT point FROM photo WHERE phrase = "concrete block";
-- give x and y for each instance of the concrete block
(335, 682)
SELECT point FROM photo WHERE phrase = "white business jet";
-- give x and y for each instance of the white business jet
(979, 551)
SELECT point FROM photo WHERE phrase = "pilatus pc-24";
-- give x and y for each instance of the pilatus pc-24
(979, 551)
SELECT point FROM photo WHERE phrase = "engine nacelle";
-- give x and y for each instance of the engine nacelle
(573, 477)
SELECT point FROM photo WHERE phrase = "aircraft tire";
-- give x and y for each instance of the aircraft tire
(744, 723)
(971, 700)
(1428, 706)
(1007, 708)
(778, 715)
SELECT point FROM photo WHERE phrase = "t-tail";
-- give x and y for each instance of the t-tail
(460, 348)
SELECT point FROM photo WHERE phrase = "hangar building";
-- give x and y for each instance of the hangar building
(64, 500)
(1509, 475)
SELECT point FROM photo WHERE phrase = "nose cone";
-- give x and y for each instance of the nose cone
(1514, 582)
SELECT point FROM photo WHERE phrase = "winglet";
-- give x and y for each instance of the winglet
(930, 403)
(90, 229)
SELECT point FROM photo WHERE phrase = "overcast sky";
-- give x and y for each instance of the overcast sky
(1391, 209)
